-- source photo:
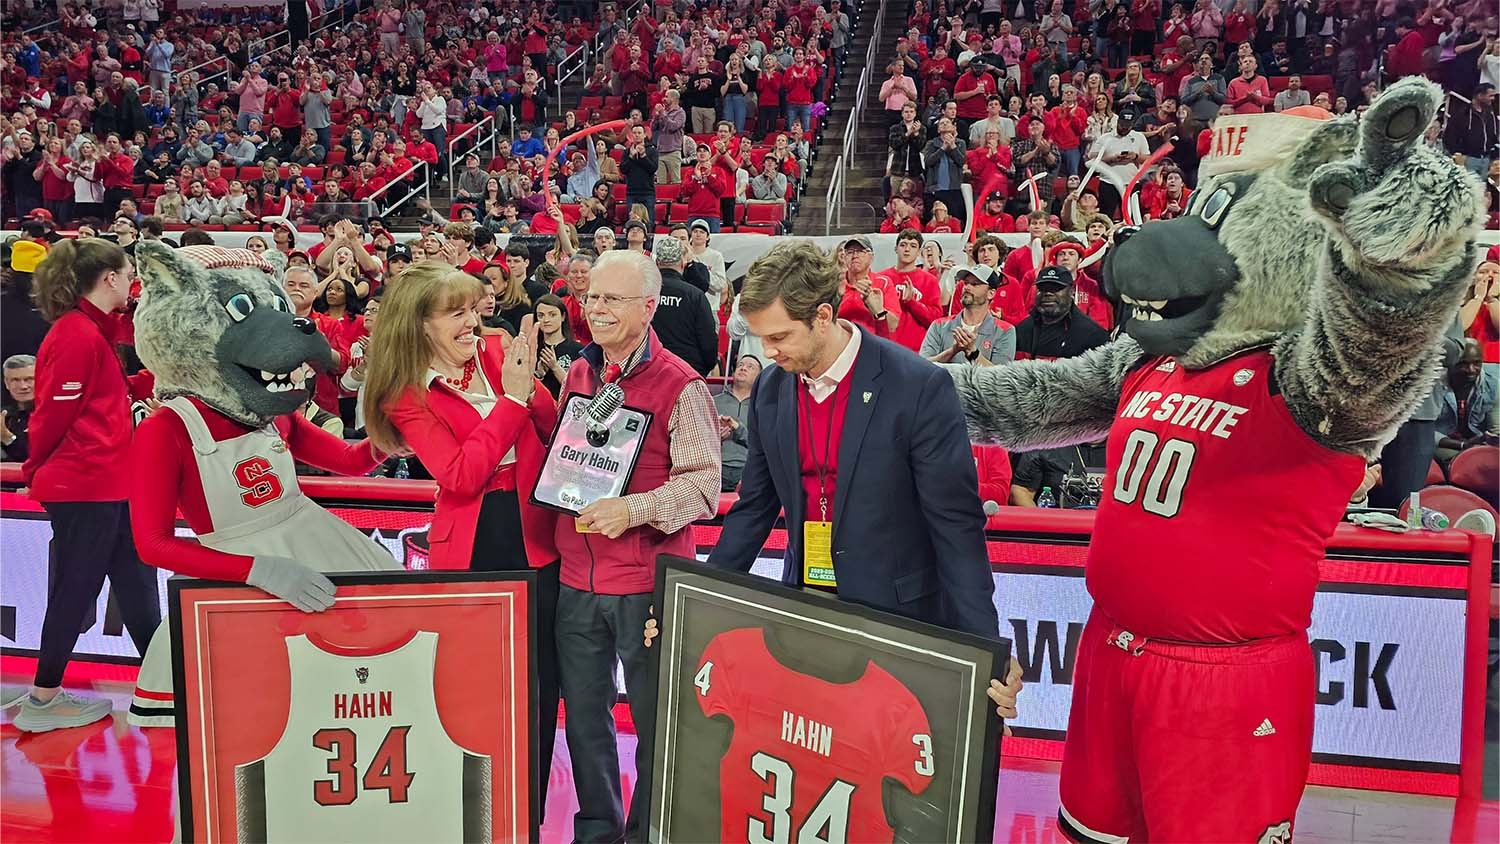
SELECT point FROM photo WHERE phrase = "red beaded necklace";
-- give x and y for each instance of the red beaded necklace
(470, 367)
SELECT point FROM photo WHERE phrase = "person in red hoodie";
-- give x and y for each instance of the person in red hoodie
(702, 188)
(901, 217)
(991, 216)
(80, 439)
(917, 289)
(1065, 127)
(995, 472)
(1404, 58)
(474, 413)
(117, 171)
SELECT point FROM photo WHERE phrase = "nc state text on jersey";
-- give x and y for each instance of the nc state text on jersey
(807, 733)
(1217, 418)
(593, 460)
(362, 705)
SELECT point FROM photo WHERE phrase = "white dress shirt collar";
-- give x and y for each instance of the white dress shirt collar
(825, 385)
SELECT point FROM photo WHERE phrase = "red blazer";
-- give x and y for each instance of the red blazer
(462, 451)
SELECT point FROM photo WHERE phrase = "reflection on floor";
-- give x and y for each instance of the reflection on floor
(113, 783)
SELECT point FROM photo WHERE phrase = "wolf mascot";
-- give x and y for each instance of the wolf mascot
(1275, 337)
(232, 366)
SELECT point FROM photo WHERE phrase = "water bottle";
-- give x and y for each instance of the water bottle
(1414, 511)
(1433, 519)
(1046, 499)
(403, 472)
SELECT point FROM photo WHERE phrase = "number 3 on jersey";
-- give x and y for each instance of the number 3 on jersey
(258, 480)
(1162, 468)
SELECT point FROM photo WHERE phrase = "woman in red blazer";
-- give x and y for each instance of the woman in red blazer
(80, 440)
(475, 415)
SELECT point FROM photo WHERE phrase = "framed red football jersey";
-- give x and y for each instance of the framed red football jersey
(403, 712)
(785, 716)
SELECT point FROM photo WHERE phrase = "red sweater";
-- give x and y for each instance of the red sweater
(820, 429)
(702, 199)
(993, 463)
(164, 480)
(80, 427)
(1065, 126)
(921, 309)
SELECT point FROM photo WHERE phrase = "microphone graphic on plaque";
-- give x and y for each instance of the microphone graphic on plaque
(593, 452)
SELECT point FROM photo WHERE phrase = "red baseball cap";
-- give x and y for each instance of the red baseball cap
(41, 214)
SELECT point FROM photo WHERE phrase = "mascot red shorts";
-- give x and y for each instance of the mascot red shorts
(1177, 742)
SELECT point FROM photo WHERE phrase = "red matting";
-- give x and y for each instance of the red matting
(236, 682)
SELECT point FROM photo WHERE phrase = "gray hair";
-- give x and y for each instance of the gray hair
(309, 270)
(1069, 87)
(642, 264)
(581, 257)
(19, 362)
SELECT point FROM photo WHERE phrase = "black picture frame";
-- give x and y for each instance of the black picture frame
(697, 604)
(178, 585)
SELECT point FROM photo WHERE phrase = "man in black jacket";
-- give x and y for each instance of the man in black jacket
(1056, 328)
(1473, 132)
(639, 169)
(23, 192)
(684, 322)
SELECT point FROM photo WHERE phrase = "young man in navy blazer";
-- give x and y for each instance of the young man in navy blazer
(863, 444)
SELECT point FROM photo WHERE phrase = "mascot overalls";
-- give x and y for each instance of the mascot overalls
(232, 366)
(1275, 336)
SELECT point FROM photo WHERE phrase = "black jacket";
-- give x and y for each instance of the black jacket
(1472, 132)
(640, 173)
(685, 324)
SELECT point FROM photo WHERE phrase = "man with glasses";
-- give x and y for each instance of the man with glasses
(609, 551)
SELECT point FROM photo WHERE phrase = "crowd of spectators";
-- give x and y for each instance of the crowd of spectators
(1041, 109)
(1055, 104)
(206, 120)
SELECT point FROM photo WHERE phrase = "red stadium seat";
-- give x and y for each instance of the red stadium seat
(668, 193)
(1478, 471)
(765, 212)
(618, 192)
(313, 171)
(1435, 475)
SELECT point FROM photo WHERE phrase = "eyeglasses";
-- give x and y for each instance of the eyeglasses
(608, 300)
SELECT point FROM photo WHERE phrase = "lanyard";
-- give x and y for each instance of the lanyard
(823, 464)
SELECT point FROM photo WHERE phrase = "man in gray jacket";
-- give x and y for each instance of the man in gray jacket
(974, 336)
(1205, 90)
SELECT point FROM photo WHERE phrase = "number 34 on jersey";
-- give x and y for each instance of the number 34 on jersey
(808, 757)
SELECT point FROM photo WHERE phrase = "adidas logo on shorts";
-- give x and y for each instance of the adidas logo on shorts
(1265, 729)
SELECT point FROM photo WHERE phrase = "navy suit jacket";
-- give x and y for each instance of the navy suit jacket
(908, 526)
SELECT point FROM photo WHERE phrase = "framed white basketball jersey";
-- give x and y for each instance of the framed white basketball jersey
(364, 755)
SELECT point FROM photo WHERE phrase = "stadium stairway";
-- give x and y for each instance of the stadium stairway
(864, 200)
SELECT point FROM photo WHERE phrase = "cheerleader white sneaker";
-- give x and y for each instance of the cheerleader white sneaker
(61, 712)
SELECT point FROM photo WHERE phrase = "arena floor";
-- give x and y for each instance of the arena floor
(110, 782)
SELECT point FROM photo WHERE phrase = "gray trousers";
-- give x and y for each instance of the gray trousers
(592, 630)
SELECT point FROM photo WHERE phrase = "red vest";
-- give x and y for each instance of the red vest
(627, 565)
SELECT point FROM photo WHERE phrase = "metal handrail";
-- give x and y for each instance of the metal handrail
(424, 188)
(830, 198)
(846, 157)
(572, 64)
(490, 136)
(625, 17)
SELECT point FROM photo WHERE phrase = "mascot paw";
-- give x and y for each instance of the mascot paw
(1398, 205)
(293, 582)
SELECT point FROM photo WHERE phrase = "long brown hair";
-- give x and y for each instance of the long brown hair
(400, 352)
(71, 269)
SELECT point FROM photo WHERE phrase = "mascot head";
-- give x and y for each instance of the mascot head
(214, 324)
(1233, 270)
